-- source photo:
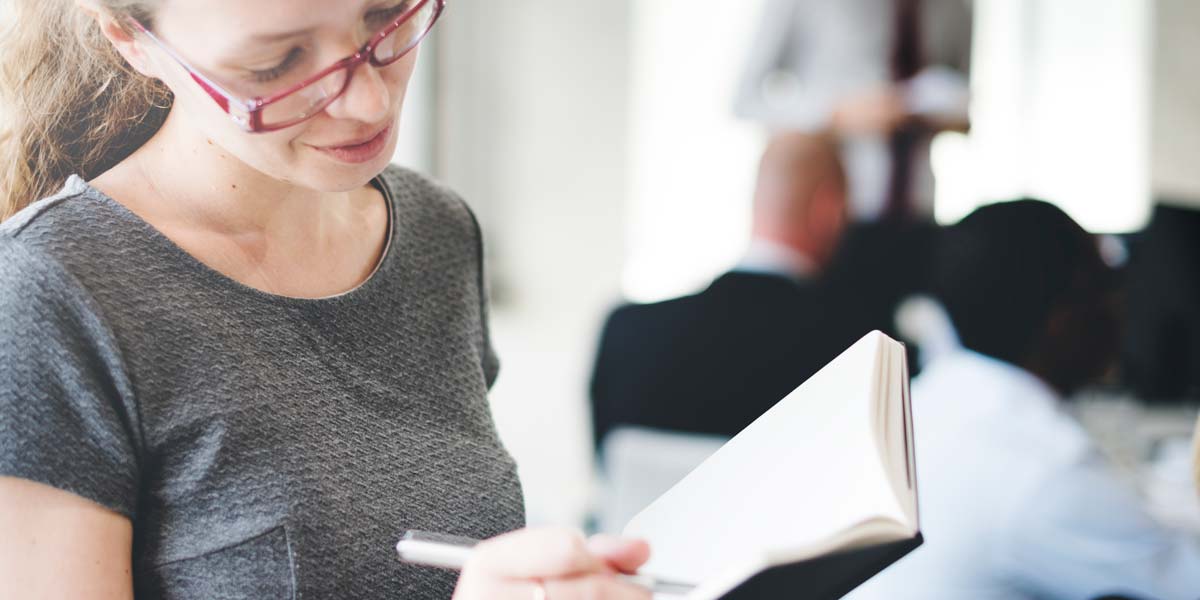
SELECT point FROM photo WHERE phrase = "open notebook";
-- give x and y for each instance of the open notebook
(810, 500)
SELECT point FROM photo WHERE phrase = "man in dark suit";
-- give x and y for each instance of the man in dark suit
(714, 361)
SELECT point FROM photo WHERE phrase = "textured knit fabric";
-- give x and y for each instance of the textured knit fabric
(263, 446)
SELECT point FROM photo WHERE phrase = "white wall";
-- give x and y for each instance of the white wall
(533, 101)
(1176, 132)
(416, 138)
(1060, 111)
(692, 163)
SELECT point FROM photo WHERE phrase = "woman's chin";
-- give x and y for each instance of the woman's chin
(329, 176)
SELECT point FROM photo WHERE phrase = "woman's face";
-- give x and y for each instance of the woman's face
(259, 48)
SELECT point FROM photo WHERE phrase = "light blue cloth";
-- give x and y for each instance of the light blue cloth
(1016, 501)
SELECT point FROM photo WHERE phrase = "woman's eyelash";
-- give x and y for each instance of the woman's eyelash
(265, 75)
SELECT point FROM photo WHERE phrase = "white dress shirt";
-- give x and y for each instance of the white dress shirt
(810, 55)
(771, 258)
(1017, 503)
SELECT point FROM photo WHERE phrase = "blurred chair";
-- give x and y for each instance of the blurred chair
(1161, 354)
(641, 464)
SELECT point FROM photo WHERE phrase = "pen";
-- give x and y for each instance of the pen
(451, 552)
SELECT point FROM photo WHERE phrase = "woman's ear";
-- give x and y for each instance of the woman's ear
(120, 36)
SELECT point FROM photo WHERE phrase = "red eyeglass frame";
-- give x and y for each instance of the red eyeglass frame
(248, 113)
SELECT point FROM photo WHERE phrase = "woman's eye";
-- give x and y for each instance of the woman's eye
(384, 16)
(279, 70)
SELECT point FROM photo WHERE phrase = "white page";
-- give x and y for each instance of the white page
(805, 470)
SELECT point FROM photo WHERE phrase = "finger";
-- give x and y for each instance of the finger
(622, 554)
(500, 589)
(589, 587)
(536, 554)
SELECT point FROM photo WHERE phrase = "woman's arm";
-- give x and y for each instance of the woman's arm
(67, 421)
(55, 544)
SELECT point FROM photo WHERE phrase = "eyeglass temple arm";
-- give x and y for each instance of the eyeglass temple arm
(223, 98)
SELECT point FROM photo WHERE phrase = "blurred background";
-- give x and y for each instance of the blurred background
(597, 143)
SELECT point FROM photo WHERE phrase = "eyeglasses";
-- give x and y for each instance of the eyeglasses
(309, 97)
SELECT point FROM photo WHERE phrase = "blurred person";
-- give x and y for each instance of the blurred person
(1016, 500)
(1196, 456)
(886, 75)
(879, 265)
(714, 361)
(239, 352)
(1161, 354)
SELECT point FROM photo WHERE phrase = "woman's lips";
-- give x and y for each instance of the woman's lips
(358, 152)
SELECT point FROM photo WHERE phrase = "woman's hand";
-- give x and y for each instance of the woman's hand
(552, 564)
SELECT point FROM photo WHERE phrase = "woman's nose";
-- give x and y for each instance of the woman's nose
(367, 99)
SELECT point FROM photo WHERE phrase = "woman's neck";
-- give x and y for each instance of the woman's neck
(192, 178)
(267, 233)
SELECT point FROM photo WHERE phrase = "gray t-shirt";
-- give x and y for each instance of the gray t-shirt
(263, 446)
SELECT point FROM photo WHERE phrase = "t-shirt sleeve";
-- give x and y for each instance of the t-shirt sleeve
(67, 417)
(491, 360)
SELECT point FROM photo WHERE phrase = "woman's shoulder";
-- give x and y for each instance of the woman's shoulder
(49, 249)
(66, 225)
(28, 222)
(37, 292)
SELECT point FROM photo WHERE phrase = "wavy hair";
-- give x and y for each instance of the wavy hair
(69, 103)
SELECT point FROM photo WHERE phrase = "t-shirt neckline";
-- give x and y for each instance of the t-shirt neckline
(207, 272)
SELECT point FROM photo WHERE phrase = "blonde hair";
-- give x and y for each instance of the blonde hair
(69, 103)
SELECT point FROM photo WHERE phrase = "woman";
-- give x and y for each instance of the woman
(240, 353)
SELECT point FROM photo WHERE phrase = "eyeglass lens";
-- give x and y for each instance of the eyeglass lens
(313, 98)
(305, 102)
(407, 35)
